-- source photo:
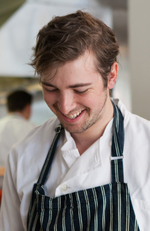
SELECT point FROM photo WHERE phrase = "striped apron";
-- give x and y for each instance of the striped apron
(103, 208)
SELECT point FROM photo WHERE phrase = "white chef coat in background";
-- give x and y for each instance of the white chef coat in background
(71, 172)
(13, 128)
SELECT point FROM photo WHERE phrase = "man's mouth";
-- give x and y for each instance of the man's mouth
(74, 115)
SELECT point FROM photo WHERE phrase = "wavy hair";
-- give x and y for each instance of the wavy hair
(67, 37)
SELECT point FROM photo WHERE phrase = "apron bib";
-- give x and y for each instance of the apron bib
(103, 208)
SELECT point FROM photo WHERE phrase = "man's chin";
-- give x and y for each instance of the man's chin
(74, 129)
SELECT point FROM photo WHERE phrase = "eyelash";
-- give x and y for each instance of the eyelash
(78, 92)
(50, 90)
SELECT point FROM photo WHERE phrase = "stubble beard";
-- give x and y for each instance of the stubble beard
(89, 122)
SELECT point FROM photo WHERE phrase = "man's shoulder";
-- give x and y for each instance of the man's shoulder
(49, 125)
(34, 147)
(139, 125)
(22, 123)
(133, 122)
(4, 119)
(40, 134)
(5, 124)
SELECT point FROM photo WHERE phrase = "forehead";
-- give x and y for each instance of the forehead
(79, 68)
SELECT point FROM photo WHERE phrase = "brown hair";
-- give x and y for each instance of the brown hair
(67, 37)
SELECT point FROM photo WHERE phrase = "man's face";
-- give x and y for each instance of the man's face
(75, 93)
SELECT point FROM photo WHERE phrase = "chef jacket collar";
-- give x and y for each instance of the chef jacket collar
(91, 157)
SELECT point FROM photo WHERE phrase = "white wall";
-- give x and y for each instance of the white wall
(18, 34)
(139, 55)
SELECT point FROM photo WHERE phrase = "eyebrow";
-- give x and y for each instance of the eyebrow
(71, 86)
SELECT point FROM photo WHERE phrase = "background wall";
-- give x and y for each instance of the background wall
(139, 55)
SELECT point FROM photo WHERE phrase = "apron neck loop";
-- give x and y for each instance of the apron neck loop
(116, 149)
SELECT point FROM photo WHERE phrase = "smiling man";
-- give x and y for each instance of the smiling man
(75, 92)
(88, 167)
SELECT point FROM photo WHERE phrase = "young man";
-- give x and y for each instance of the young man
(15, 126)
(79, 170)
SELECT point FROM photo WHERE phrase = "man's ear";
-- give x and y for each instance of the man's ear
(112, 77)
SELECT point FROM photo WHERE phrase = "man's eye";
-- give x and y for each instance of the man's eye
(80, 92)
(51, 90)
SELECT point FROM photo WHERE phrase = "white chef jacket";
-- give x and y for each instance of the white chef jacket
(71, 172)
(13, 128)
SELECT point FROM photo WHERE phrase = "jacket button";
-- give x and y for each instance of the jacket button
(63, 187)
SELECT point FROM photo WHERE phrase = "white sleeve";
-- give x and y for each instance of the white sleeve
(10, 218)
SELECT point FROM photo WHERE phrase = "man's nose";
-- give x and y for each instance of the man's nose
(66, 103)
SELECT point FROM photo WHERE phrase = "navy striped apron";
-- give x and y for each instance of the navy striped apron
(103, 208)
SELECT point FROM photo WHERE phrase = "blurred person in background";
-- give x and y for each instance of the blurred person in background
(15, 126)
(87, 168)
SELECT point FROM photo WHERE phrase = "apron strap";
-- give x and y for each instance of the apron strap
(49, 159)
(117, 146)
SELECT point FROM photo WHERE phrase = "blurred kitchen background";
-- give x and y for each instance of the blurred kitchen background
(20, 21)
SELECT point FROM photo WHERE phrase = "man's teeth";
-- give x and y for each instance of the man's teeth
(74, 115)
